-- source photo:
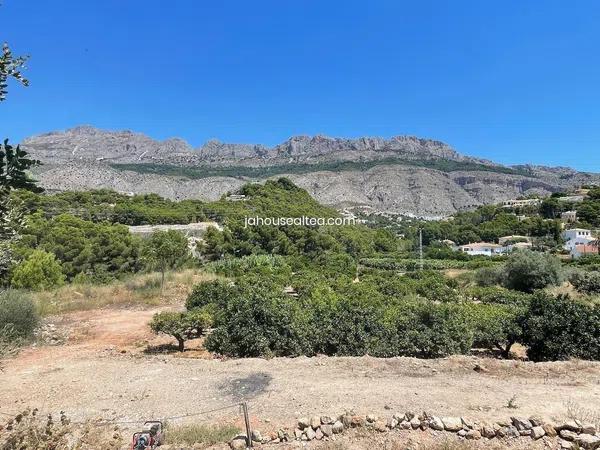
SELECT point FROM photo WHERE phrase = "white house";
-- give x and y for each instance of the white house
(481, 248)
(577, 236)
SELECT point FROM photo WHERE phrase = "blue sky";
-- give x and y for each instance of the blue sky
(512, 81)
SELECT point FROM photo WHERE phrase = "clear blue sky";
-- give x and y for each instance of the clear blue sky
(514, 81)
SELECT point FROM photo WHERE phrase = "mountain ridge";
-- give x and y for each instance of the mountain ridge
(402, 174)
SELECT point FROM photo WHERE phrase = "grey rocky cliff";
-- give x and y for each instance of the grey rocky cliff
(88, 158)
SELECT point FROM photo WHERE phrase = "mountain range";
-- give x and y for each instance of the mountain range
(403, 174)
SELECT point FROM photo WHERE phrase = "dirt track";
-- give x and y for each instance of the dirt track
(104, 370)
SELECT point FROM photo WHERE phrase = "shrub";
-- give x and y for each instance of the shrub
(586, 282)
(489, 276)
(216, 292)
(527, 271)
(260, 321)
(18, 317)
(559, 328)
(497, 326)
(181, 325)
(39, 271)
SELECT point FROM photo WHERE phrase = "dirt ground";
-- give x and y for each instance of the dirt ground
(112, 367)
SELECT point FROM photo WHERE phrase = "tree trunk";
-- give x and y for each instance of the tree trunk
(181, 344)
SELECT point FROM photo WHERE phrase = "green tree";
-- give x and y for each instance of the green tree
(10, 67)
(39, 271)
(527, 271)
(182, 325)
(165, 250)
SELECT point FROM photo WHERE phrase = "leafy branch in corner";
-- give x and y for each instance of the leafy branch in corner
(10, 67)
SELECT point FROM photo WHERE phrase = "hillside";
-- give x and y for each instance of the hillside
(404, 174)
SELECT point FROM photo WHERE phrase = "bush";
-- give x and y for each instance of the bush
(38, 272)
(489, 276)
(586, 282)
(181, 325)
(527, 271)
(216, 292)
(18, 316)
(497, 326)
(559, 328)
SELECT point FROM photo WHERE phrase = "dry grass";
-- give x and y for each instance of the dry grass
(200, 434)
(587, 415)
(138, 290)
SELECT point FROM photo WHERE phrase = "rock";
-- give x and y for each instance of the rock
(380, 426)
(315, 422)
(328, 429)
(452, 423)
(588, 428)
(405, 425)
(282, 435)
(588, 441)
(508, 432)
(409, 415)
(238, 443)
(566, 445)
(521, 423)
(347, 420)
(327, 420)
(371, 418)
(197, 446)
(392, 423)
(415, 423)
(473, 435)
(319, 434)
(399, 417)
(337, 427)
(536, 421)
(479, 368)
(256, 436)
(567, 434)
(436, 423)
(357, 421)
(569, 425)
(537, 432)
(303, 422)
(525, 432)
(467, 423)
(298, 433)
(488, 431)
(310, 434)
(504, 423)
(549, 429)
(462, 432)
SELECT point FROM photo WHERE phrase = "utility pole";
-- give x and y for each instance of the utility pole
(247, 421)
(421, 249)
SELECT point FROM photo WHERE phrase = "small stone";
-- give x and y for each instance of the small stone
(549, 429)
(467, 423)
(568, 434)
(569, 425)
(303, 422)
(310, 434)
(392, 423)
(357, 421)
(462, 433)
(566, 445)
(537, 432)
(380, 426)
(473, 435)
(436, 424)
(488, 431)
(327, 420)
(504, 423)
(452, 423)
(256, 436)
(508, 432)
(525, 432)
(415, 423)
(337, 427)
(298, 433)
(238, 443)
(399, 417)
(347, 420)
(315, 422)
(588, 428)
(521, 423)
(328, 429)
(536, 421)
(588, 441)
(409, 415)
(319, 434)
(371, 418)
(405, 425)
